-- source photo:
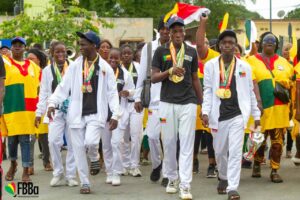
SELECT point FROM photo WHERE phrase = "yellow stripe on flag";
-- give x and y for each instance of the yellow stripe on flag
(224, 22)
(293, 50)
(173, 11)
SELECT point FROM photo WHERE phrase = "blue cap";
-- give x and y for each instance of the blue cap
(175, 20)
(18, 39)
(90, 36)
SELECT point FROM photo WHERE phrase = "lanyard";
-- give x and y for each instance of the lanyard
(179, 57)
(226, 75)
(57, 72)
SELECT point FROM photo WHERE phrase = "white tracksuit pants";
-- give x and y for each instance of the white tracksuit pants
(84, 138)
(153, 133)
(111, 145)
(133, 134)
(228, 144)
(180, 119)
(57, 128)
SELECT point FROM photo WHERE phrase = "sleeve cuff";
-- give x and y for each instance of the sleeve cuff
(131, 93)
(137, 100)
(256, 118)
(51, 105)
(116, 117)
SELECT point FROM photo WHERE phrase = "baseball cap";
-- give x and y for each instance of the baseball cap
(227, 32)
(18, 39)
(90, 36)
(175, 20)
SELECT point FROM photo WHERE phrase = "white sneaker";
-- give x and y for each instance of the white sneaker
(126, 172)
(116, 180)
(57, 181)
(72, 182)
(171, 187)
(185, 193)
(109, 179)
(135, 172)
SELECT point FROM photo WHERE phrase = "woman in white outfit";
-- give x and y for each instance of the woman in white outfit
(51, 77)
(111, 140)
(133, 133)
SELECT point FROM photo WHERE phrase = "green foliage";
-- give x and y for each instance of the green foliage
(61, 24)
(294, 14)
(7, 7)
(157, 8)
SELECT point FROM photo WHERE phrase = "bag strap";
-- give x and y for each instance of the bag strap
(149, 59)
(267, 64)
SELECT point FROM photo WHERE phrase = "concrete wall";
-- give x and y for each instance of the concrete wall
(128, 29)
(37, 7)
(279, 28)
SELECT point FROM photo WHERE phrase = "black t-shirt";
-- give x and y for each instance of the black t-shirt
(2, 68)
(182, 92)
(89, 103)
(229, 108)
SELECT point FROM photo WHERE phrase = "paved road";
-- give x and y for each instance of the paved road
(141, 188)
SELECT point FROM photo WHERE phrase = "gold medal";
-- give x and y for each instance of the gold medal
(89, 88)
(176, 79)
(220, 93)
(83, 88)
(227, 93)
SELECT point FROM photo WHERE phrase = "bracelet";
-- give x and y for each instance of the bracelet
(171, 71)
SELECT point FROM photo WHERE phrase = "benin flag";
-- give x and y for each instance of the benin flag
(187, 12)
(223, 24)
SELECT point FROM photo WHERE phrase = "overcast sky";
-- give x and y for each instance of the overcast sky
(263, 7)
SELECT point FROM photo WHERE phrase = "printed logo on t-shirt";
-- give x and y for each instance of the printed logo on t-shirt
(188, 58)
(242, 74)
(167, 58)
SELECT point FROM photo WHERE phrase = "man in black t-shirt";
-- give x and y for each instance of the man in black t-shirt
(175, 64)
(2, 78)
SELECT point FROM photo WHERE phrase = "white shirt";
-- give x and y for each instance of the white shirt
(72, 82)
(155, 87)
(244, 86)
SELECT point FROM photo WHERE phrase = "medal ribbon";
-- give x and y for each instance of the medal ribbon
(179, 57)
(57, 71)
(117, 73)
(88, 71)
(226, 76)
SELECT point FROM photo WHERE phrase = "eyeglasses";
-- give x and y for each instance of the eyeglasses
(269, 40)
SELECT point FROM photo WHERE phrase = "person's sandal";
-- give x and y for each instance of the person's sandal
(95, 168)
(30, 171)
(222, 186)
(85, 189)
(233, 195)
(10, 175)
(275, 177)
(48, 167)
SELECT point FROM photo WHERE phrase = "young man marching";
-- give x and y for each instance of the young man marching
(175, 64)
(153, 124)
(229, 100)
(93, 88)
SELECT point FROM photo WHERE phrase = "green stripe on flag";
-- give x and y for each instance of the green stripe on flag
(266, 90)
(14, 98)
(248, 34)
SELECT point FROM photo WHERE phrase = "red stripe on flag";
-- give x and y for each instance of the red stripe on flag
(277, 102)
(201, 67)
(220, 25)
(185, 10)
(30, 104)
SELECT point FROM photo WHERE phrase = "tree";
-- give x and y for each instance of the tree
(294, 14)
(236, 10)
(7, 7)
(60, 23)
(156, 8)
